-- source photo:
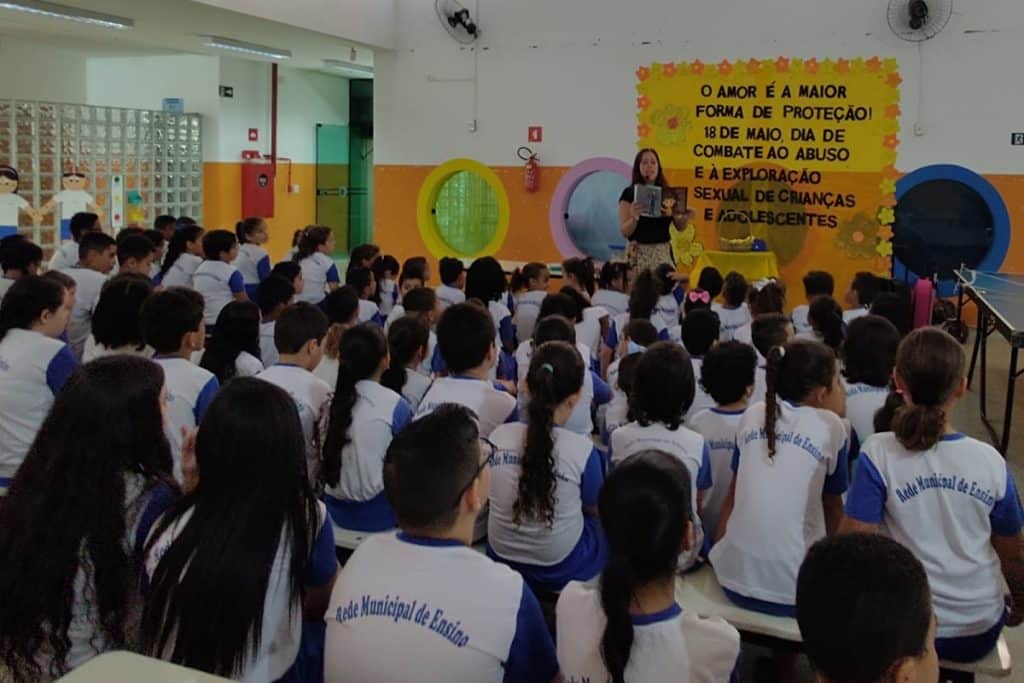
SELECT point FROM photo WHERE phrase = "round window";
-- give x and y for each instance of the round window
(466, 212)
(592, 215)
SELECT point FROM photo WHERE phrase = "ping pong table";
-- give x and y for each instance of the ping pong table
(1000, 301)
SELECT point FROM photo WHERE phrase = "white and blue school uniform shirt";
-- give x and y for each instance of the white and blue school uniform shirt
(527, 312)
(760, 392)
(88, 284)
(415, 388)
(666, 313)
(668, 646)
(778, 512)
(595, 390)
(181, 271)
(502, 317)
(64, 257)
(491, 405)
(268, 349)
(218, 282)
(616, 303)
(312, 397)
(944, 504)
(616, 414)
(588, 333)
(253, 262)
(358, 501)
(854, 313)
(397, 311)
(11, 205)
(368, 312)
(318, 270)
(408, 608)
(449, 296)
(618, 324)
(862, 402)
(70, 203)
(387, 292)
(801, 323)
(247, 365)
(701, 399)
(574, 547)
(33, 368)
(281, 627)
(688, 447)
(718, 427)
(190, 390)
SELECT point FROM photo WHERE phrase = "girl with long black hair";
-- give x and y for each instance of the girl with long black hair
(74, 521)
(234, 347)
(184, 254)
(238, 562)
(408, 340)
(319, 272)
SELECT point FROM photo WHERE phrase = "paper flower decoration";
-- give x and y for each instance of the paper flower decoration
(884, 248)
(643, 73)
(697, 67)
(668, 70)
(886, 216)
(887, 186)
(857, 236)
(725, 67)
(782, 65)
(685, 246)
(671, 124)
(643, 102)
(643, 130)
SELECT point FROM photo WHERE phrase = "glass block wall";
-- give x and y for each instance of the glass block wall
(158, 154)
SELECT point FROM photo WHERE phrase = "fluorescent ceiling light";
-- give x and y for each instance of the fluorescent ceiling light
(361, 70)
(55, 11)
(245, 48)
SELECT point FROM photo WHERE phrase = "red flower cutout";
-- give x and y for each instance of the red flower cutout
(643, 73)
(811, 66)
(753, 66)
(643, 102)
(843, 66)
(643, 130)
(672, 123)
(782, 64)
(697, 67)
(891, 141)
(724, 67)
(894, 79)
(874, 64)
(668, 70)
(892, 111)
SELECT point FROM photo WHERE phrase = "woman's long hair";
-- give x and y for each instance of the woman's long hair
(178, 245)
(68, 509)
(204, 607)
(237, 330)
(359, 355)
(638, 179)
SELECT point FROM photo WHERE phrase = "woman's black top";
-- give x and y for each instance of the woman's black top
(649, 229)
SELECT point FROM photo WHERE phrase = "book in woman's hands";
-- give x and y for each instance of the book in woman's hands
(649, 197)
(673, 203)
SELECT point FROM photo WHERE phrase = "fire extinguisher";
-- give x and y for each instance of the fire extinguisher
(531, 171)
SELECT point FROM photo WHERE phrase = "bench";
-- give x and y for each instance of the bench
(128, 666)
(701, 593)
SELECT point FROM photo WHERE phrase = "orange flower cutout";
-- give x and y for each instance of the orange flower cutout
(894, 79)
(753, 66)
(891, 141)
(643, 73)
(782, 64)
(643, 130)
(668, 70)
(642, 102)
(724, 67)
(857, 237)
(874, 64)
(892, 111)
(890, 172)
(843, 66)
(883, 266)
(697, 67)
(811, 65)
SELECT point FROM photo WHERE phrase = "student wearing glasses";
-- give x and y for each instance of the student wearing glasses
(443, 609)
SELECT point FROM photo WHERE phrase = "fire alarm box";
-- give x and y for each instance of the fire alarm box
(258, 189)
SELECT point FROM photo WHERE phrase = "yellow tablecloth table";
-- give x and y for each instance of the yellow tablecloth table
(753, 265)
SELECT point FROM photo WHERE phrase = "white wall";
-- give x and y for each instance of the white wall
(569, 65)
(48, 73)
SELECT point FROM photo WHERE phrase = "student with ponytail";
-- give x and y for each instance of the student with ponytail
(408, 340)
(631, 628)
(319, 272)
(789, 474)
(643, 301)
(826, 320)
(342, 309)
(184, 254)
(949, 498)
(614, 282)
(532, 279)
(253, 261)
(364, 416)
(545, 480)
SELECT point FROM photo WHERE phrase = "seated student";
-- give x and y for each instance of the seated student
(485, 282)
(858, 299)
(71, 589)
(216, 279)
(361, 280)
(19, 258)
(637, 336)
(115, 321)
(166, 225)
(711, 281)
(66, 255)
(465, 336)
(96, 254)
(364, 416)
(790, 473)
(771, 298)
(453, 282)
(868, 354)
(363, 255)
(172, 324)
(670, 298)
(532, 279)
(612, 294)
(865, 611)
(134, 254)
(35, 364)
(699, 332)
(156, 238)
(422, 303)
(252, 261)
(631, 628)
(319, 272)
(578, 273)
(616, 412)
(408, 340)
(949, 498)
(234, 567)
(767, 332)
(595, 391)
(66, 282)
(733, 311)
(545, 480)
(591, 323)
(643, 301)
(272, 295)
(663, 387)
(234, 347)
(385, 272)
(816, 283)
(298, 334)
(184, 255)
(290, 271)
(342, 309)
(696, 299)
(436, 476)
(727, 375)
(896, 308)
(826, 320)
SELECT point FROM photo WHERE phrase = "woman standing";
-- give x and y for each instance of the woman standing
(648, 236)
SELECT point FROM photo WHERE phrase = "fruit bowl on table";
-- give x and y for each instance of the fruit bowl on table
(736, 244)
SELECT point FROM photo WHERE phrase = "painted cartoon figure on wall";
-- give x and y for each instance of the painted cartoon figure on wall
(11, 203)
(72, 199)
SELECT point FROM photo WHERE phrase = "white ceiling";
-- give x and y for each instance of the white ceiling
(174, 26)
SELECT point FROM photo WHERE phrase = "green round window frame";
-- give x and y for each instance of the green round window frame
(456, 200)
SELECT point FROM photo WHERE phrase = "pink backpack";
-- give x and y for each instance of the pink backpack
(922, 296)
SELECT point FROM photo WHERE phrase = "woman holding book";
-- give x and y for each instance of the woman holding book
(647, 230)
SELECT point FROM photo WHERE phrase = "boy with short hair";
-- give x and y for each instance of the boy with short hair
(272, 295)
(96, 254)
(858, 299)
(172, 323)
(453, 282)
(19, 258)
(66, 255)
(466, 339)
(865, 612)
(397, 588)
(766, 332)
(816, 283)
(298, 334)
(135, 254)
(216, 279)
(166, 225)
